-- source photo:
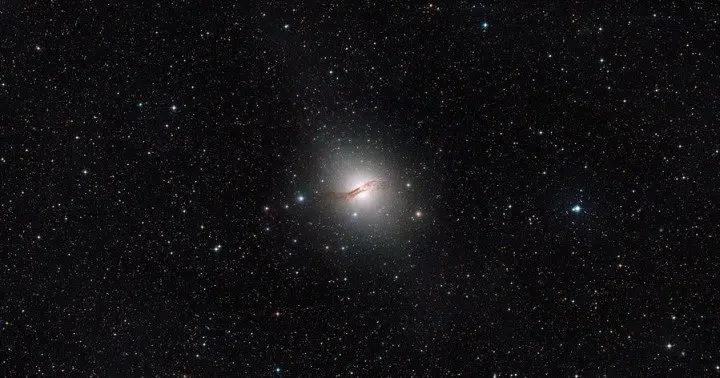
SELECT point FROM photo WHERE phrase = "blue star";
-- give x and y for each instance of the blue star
(576, 209)
(485, 25)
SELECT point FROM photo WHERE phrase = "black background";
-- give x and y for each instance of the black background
(113, 204)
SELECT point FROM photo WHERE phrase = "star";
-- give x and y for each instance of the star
(485, 25)
(576, 209)
(300, 198)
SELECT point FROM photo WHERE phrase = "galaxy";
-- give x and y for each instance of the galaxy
(359, 188)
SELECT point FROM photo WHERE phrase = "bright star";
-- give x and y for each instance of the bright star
(301, 198)
(485, 25)
(576, 209)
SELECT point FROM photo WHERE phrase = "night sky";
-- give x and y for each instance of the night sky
(171, 178)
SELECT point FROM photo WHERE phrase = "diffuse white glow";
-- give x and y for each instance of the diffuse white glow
(347, 169)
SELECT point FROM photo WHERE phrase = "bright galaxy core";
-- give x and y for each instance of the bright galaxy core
(363, 192)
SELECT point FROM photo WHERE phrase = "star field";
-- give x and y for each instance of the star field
(170, 181)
